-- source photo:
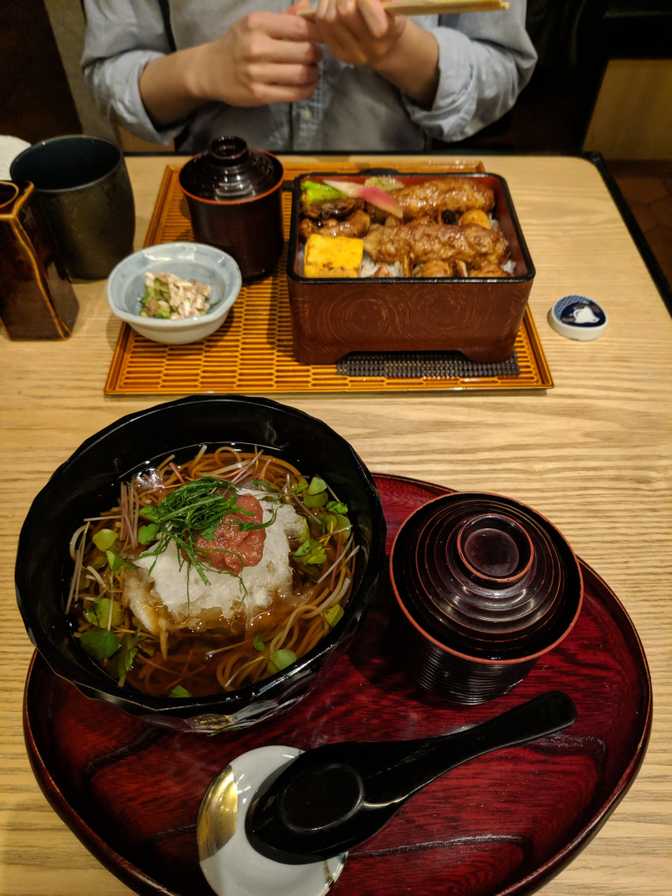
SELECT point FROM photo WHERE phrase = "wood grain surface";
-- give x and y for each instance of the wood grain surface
(594, 455)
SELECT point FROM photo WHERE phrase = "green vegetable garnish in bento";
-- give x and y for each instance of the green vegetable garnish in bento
(314, 193)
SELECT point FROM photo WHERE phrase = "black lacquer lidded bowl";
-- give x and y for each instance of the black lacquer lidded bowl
(486, 586)
(234, 197)
(229, 169)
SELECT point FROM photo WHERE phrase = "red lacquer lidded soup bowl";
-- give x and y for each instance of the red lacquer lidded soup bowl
(131, 449)
(486, 586)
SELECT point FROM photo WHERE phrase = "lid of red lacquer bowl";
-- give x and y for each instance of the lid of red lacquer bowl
(230, 170)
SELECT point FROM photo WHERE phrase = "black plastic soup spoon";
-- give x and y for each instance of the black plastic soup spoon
(330, 798)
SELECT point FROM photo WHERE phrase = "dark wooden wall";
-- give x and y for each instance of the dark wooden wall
(35, 99)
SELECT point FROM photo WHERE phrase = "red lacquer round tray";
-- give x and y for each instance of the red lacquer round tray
(502, 824)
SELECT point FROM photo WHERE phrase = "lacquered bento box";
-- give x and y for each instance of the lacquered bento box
(478, 316)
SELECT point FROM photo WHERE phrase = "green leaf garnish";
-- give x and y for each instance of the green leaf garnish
(343, 524)
(334, 522)
(179, 691)
(101, 613)
(99, 643)
(209, 533)
(317, 486)
(258, 644)
(283, 658)
(311, 552)
(328, 521)
(303, 549)
(147, 534)
(90, 615)
(300, 487)
(104, 539)
(337, 507)
(313, 501)
(149, 512)
(114, 561)
(333, 614)
(122, 661)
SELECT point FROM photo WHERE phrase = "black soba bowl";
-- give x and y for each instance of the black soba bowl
(88, 483)
(485, 586)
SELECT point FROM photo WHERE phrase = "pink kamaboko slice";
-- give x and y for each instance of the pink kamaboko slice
(374, 195)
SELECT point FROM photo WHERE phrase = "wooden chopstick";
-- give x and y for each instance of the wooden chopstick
(430, 7)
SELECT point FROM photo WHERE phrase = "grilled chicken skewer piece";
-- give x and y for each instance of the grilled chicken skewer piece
(452, 194)
(423, 241)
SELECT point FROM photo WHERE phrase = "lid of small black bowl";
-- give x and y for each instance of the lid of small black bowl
(229, 169)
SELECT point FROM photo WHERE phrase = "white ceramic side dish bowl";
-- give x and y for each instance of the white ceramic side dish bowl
(191, 261)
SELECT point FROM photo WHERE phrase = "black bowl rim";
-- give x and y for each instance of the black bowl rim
(452, 651)
(244, 200)
(105, 688)
(62, 138)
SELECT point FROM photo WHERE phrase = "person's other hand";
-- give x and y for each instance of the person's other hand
(358, 32)
(265, 57)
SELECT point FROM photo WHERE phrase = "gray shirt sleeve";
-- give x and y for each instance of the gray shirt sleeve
(485, 60)
(122, 36)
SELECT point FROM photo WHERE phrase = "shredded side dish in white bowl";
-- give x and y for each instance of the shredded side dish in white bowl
(170, 297)
(174, 293)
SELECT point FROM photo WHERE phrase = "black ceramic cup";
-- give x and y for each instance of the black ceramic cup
(485, 586)
(84, 192)
(234, 197)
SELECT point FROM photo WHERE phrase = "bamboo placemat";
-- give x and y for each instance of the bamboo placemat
(252, 352)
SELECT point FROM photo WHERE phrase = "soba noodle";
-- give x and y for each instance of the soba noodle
(204, 531)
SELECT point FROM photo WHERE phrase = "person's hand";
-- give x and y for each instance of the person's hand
(265, 57)
(358, 32)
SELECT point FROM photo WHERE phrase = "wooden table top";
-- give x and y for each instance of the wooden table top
(594, 454)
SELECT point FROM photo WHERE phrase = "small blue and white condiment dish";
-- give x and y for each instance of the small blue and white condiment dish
(578, 317)
(191, 261)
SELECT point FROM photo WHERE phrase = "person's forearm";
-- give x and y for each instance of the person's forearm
(413, 67)
(169, 86)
